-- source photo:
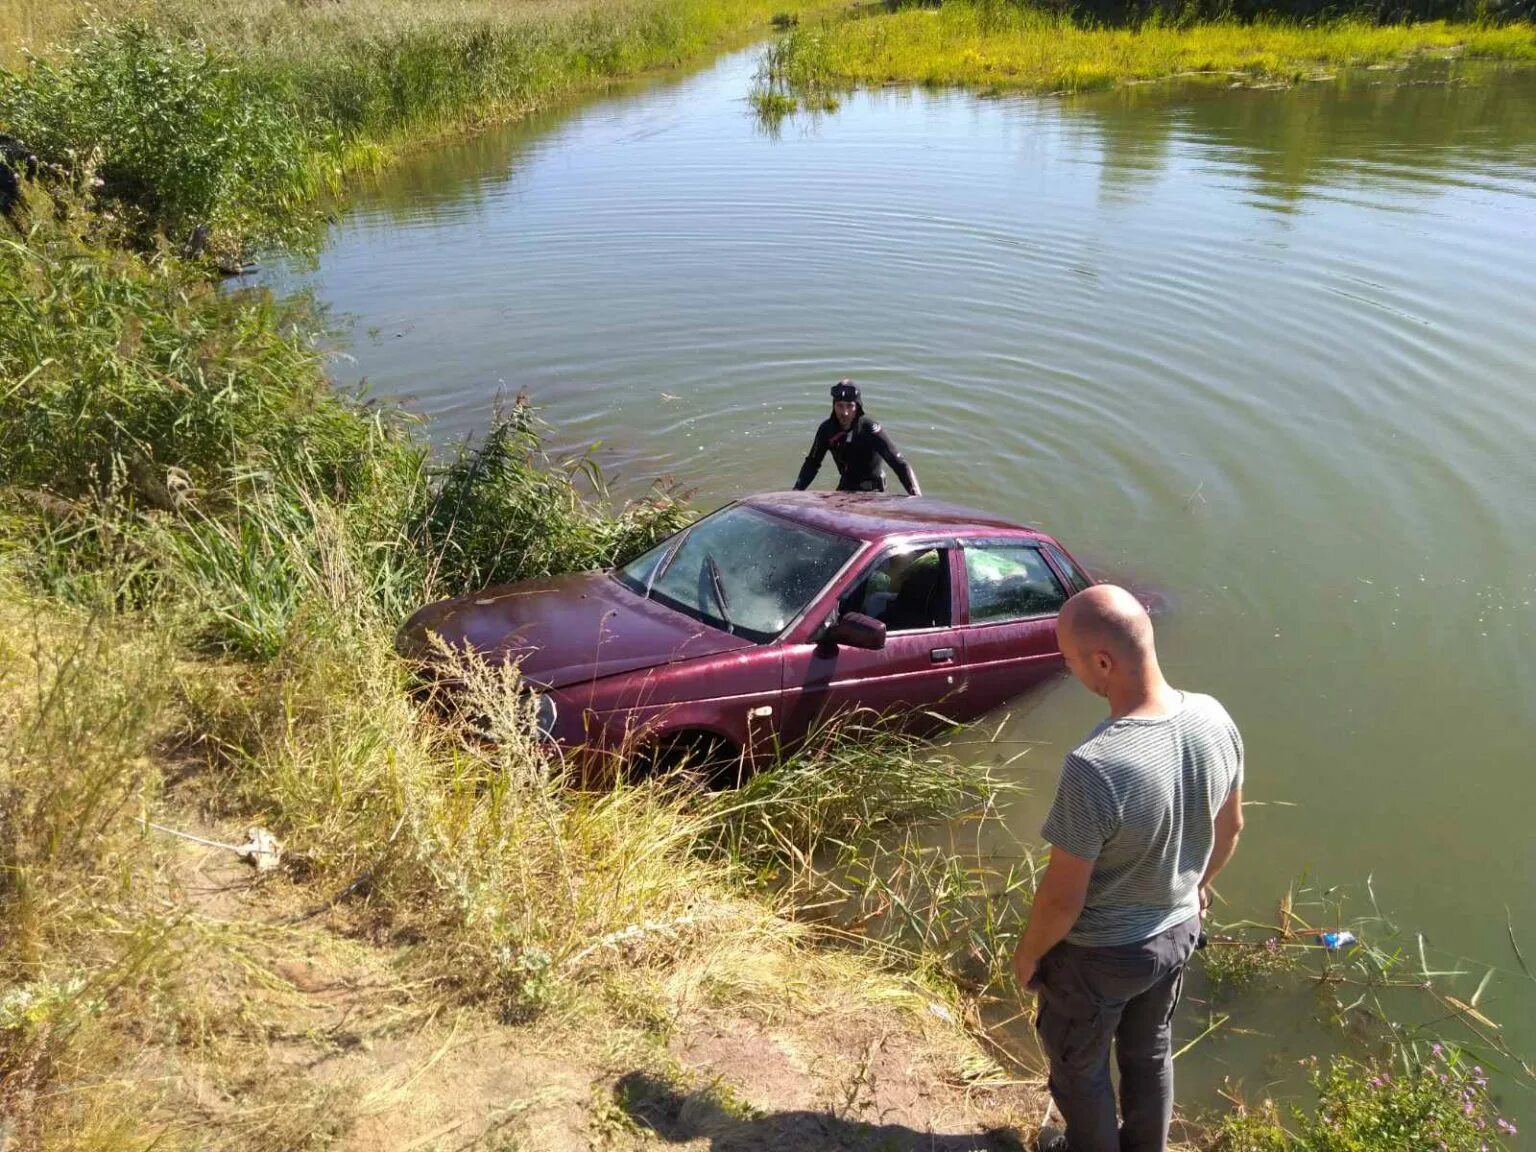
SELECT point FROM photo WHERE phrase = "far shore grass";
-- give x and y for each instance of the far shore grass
(1026, 49)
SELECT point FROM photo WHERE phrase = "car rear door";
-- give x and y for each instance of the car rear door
(1011, 601)
(912, 588)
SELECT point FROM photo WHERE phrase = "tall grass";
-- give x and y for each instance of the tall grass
(515, 885)
(499, 512)
(133, 381)
(504, 887)
(1023, 47)
(177, 136)
(83, 704)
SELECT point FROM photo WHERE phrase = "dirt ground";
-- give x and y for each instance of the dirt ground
(314, 1037)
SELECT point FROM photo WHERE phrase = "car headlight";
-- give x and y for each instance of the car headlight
(546, 713)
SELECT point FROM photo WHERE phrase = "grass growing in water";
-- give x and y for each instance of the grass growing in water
(1439, 1105)
(1016, 46)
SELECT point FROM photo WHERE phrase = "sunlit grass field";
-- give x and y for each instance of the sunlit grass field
(1023, 48)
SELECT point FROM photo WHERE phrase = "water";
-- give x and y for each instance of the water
(1271, 352)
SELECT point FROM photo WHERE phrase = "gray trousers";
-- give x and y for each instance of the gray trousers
(1089, 997)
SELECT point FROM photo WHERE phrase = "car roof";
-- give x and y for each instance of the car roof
(876, 516)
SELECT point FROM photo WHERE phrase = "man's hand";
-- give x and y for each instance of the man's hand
(1025, 970)
(1058, 902)
(1228, 826)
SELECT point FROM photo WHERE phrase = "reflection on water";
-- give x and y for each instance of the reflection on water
(1432, 126)
(1270, 352)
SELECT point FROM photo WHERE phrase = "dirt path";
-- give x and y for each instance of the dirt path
(315, 1037)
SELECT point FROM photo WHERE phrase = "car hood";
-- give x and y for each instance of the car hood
(566, 629)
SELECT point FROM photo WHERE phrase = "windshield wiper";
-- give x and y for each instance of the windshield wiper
(718, 587)
(666, 562)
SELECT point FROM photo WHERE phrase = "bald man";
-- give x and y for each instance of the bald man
(1147, 813)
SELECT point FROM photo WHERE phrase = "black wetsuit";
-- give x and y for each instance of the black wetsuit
(857, 453)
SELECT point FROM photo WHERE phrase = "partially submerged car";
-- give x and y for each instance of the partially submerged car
(744, 631)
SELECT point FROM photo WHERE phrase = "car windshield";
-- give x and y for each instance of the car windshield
(741, 570)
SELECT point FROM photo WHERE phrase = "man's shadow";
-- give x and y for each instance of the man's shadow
(675, 1115)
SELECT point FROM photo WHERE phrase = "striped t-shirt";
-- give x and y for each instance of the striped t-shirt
(1139, 798)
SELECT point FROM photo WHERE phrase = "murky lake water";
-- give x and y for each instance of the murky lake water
(1271, 352)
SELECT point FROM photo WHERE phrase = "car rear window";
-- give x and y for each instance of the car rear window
(741, 570)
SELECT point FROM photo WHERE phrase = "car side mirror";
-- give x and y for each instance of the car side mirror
(856, 630)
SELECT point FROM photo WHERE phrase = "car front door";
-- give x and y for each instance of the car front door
(912, 589)
(1012, 599)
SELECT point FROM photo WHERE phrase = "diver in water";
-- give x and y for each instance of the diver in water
(857, 444)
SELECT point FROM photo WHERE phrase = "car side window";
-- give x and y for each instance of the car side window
(905, 591)
(1010, 582)
(1075, 575)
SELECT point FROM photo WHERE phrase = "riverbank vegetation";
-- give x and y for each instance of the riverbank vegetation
(996, 45)
(204, 553)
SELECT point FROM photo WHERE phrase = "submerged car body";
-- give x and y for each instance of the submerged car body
(750, 627)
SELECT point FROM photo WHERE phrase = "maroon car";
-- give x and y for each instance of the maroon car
(745, 629)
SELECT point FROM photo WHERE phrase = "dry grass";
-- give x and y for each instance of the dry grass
(32, 24)
(283, 28)
(287, 31)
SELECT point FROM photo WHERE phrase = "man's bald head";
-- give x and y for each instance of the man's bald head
(1105, 634)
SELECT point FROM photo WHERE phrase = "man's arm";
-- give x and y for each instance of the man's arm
(813, 460)
(897, 461)
(1228, 826)
(1058, 903)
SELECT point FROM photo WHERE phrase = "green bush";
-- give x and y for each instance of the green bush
(1441, 1106)
(178, 135)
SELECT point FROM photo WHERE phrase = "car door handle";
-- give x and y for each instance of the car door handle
(941, 655)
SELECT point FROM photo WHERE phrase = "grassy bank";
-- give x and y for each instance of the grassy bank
(136, 1012)
(1005, 46)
